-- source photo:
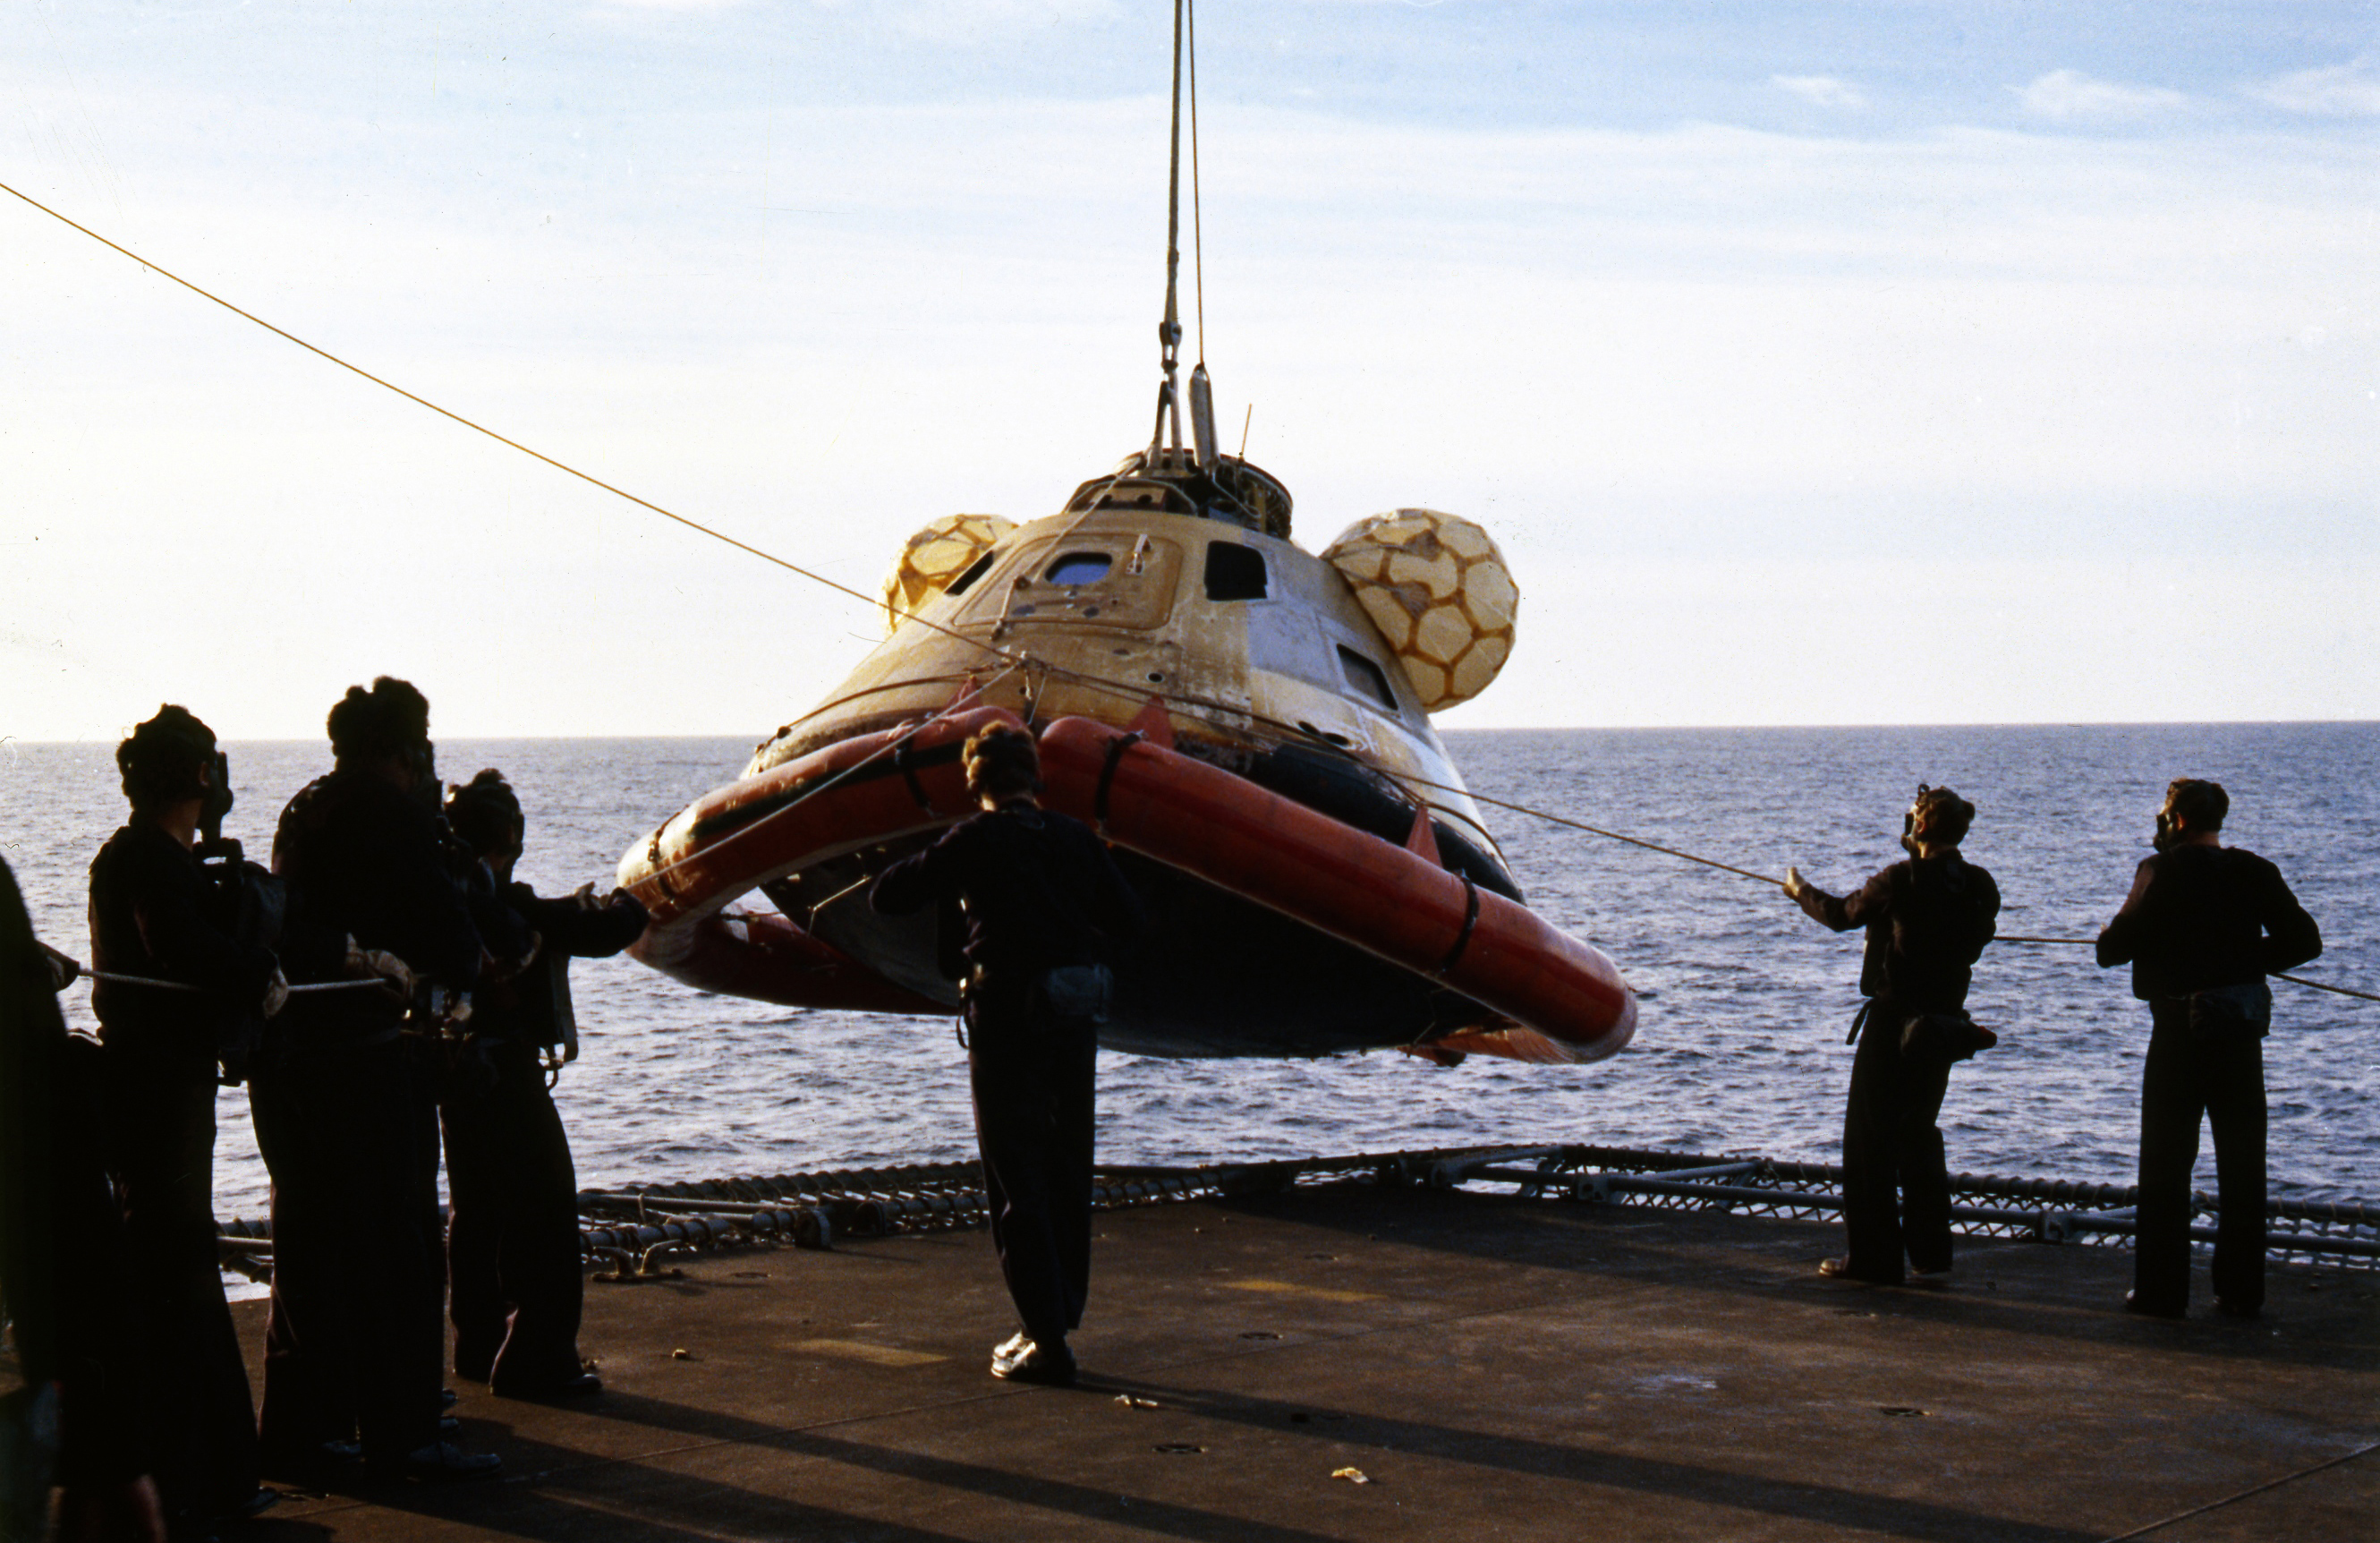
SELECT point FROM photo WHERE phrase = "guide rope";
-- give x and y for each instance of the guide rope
(1144, 696)
(2244, 1494)
(589, 477)
(114, 979)
(1551, 818)
(2278, 975)
(1014, 659)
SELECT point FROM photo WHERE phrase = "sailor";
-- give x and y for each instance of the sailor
(450, 1057)
(63, 1272)
(1928, 918)
(2204, 926)
(514, 1286)
(196, 991)
(1045, 912)
(354, 1340)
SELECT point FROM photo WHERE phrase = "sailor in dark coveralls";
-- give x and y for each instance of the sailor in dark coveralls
(355, 1340)
(62, 1270)
(1045, 911)
(514, 1284)
(2203, 927)
(156, 914)
(1927, 920)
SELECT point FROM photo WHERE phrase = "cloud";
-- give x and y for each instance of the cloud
(2347, 90)
(1824, 91)
(1796, 347)
(968, 21)
(2069, 95)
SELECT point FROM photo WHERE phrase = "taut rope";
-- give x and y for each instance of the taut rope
(1170, 332)
(113, 978)
(480, 428)
(2278, 975)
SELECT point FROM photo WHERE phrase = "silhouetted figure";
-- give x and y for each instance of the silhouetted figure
(62, 1272)
(1928, 918)
(1045, 910)
(157, 914)
(355, 1343)
(2204, 926)
(516, 1284)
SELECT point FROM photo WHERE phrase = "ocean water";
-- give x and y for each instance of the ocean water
(1741, 1048)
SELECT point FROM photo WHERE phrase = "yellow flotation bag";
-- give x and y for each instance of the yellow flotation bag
(1439, 590)
(935, 556)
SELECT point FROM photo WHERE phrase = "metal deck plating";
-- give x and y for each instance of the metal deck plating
(1494, 1366)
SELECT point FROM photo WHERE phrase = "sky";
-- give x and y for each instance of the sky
(1812, 363)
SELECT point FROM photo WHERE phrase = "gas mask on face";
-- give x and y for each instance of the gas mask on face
(423, 760)
(1909, 820)
(2192, 811)
(216, 798)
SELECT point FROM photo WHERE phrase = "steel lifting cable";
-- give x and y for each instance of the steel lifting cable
(1169, 330)
(1198, 239)
(481, 428)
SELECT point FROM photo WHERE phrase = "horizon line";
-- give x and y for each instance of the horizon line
(12, 740)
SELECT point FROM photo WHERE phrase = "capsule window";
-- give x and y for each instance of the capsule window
(1235, 572)
(1366, 677)
(1080, 567)
(976, 570)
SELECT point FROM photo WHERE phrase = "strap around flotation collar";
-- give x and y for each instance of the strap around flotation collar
(903, 763)
(1470, 922)
(657, 872)
(1116, 747)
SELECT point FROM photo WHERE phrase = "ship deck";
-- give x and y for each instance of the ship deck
(1494, 1367)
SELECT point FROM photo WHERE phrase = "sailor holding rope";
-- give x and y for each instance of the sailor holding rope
(347, 1123)
(2204, 926)
(162, 918)
(515, 1288)
(1928, 918)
